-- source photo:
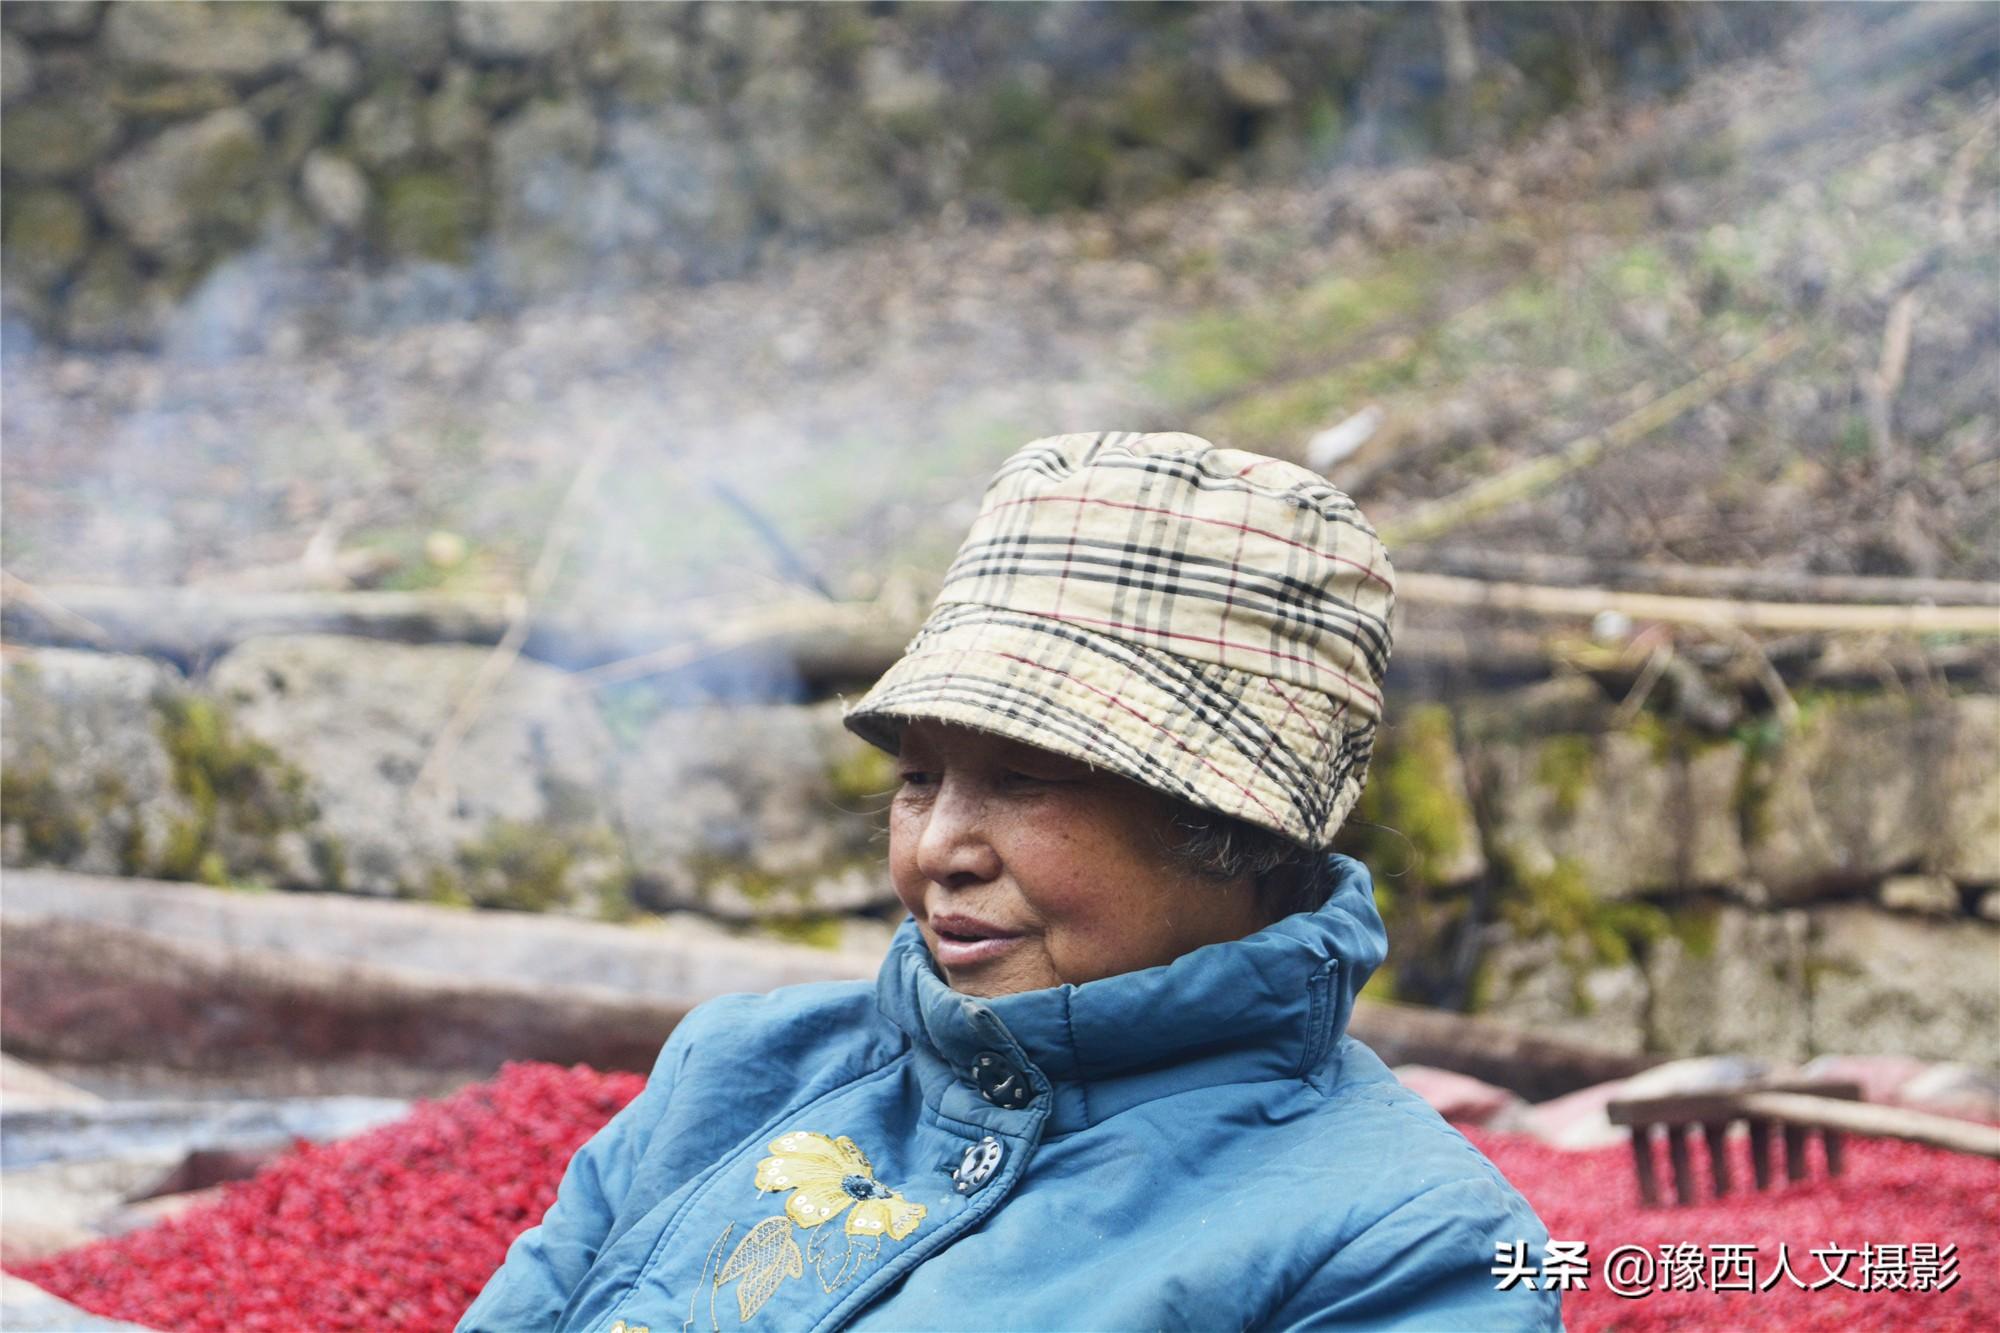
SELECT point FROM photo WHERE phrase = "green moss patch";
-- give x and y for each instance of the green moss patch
(241, 793)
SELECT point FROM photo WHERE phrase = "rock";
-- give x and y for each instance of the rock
(17, 69)
(892, 87)
(525, 826)
(409, 37)
(55, 18)
(236, 40)
(1926, 895)
(1531, 982)
(1730, 980)
(1989, 905)
(454, 120)
(336, 190)
(512, 30)
(1971, 782)
(332, 69)
(22, 1085)
(675, 167)
(192, 188)
(1901, 985)
(88, 780)
(542, 193)
(110, 305)
(47, 232)
(1853, 795)
(58, 137)
(430, 215)
(1614, 812)
(386, 128)
(1255, 84)
(750, 813)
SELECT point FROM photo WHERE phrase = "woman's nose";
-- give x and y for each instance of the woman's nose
(955, 849)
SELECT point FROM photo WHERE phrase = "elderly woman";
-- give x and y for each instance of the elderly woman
(1102, 1081)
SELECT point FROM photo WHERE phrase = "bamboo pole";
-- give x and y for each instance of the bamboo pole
(1705, 612)
(1880, 1122)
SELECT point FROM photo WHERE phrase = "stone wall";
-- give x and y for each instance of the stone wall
(1830, 885)
(497, 152)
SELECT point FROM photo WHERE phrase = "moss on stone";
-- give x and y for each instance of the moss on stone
(518, 864)
(1411, 794)
(30, 800)
(241, 794)
(1564, 765)
(1589, 931)
(1697, 928)
(46, 232)
(818, 932)
(860, 773)
(429, 214)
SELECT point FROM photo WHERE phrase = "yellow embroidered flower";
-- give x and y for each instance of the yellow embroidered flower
(826, 1176)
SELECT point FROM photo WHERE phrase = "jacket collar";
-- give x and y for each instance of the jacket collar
(1270, 1005)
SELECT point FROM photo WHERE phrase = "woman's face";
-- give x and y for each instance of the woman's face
(1027, 869)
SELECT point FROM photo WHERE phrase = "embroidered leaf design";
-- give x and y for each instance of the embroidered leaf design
(766, 1256)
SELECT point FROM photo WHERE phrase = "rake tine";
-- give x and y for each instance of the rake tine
(1760, 1152)
(1795, 1152)
(1718, 1159)
(1642, 1158)
(1677, 1149)
(1833, 1142)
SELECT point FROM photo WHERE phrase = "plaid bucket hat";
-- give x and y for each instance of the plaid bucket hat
(1210, 623)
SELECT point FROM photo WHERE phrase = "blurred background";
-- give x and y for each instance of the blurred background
(456, 456)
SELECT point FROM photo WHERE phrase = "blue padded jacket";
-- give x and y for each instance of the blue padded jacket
(1193, 1146)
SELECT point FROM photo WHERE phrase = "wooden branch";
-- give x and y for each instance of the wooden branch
(861, 637)
(1886, 380)
(1693, 580)
(55, 611)
(1706, 612)
(1538, 474)
(1875, 1121)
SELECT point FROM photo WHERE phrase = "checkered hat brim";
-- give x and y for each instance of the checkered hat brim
(1210, 623)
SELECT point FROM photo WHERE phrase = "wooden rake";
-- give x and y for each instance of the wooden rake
(1793, 1112)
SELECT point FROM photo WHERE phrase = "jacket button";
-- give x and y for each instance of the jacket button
(1000, 1083)
(981, 1160)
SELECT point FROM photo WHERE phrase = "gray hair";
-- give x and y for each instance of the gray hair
(1288, 876)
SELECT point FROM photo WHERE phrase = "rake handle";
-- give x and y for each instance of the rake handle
(1873, 1121)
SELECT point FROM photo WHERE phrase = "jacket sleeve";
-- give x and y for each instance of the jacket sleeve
(546, 1262)
(1429, 1265)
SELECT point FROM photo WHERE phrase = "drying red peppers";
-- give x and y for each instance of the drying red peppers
(397, 1229)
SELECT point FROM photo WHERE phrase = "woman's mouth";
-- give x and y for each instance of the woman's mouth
(964, 941)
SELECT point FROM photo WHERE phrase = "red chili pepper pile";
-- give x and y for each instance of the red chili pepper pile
(398, 1229)
(395, 1229)
(1894, 1194)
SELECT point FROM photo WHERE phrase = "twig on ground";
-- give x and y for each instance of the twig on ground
(1537, 474)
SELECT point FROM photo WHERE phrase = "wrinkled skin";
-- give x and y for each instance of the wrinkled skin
(1027, 869)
